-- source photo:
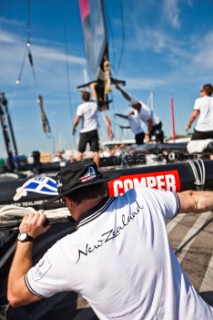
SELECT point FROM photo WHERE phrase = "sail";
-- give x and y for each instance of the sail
(97, 54)
(94, 32)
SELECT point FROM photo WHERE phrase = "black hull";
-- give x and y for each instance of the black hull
(185, 177)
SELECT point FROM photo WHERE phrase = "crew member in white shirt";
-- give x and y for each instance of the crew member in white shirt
(88, 113)
(152, 121)
(118, 258)
(135, 124)
(203, 110)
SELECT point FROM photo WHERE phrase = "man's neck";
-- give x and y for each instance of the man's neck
(78, 210)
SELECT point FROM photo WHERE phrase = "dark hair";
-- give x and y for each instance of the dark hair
(85, 95)
(90, 192)
(208, 88)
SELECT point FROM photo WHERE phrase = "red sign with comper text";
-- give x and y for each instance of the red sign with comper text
(165, 180)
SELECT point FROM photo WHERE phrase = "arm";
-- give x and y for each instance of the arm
(121, 115)
(108, 122)
(149, 126)
(17, 292)
(93, 92)
(195, 201)
(149, 130)
(115, 149)
(75, 123)
(192, 118)
(124, 94)
(109, 127)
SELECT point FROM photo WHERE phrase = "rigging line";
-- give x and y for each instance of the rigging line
(28, 21)
(22, 67)
(44, 120)
(67, 67)
(27, 49)
(28, 45)
(18, 80)
(112, 36)
(67, 60)
(33, 69)
(122, 36)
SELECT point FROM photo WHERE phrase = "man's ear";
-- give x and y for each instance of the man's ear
(68, 201)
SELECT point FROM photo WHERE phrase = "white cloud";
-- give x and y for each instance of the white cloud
(8, 38)
(172, 12)
(56, 55)
(144, 83)
(204, 52)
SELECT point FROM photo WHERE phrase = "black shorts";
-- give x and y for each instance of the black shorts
(139, 137)
(156, 127)
(202, 135)
(90, 137)
(157, 133)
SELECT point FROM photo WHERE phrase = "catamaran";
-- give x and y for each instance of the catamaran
(177, 167)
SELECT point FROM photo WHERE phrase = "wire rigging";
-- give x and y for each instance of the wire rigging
(116, 69)
(122, 36)
(67, 59)
(67, 65)
(44, 120)
(109, 29)
(113, 41)
(28, 46)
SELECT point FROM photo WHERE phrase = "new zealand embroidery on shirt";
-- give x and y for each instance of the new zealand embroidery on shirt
(110, 234)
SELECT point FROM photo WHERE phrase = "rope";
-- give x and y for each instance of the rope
(201, 167)
(199, 173)
(11, 216)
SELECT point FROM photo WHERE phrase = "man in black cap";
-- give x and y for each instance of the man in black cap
(118, 258)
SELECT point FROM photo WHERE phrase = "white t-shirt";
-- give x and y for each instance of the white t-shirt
(89, 113)
(119, 259)
(145, 114)
(135, 123)
(205, 119)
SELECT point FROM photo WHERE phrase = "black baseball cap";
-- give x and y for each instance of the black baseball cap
(80, 174)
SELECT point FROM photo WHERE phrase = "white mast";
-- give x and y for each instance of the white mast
(150, 100)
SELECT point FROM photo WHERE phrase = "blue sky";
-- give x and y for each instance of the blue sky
(161, 46)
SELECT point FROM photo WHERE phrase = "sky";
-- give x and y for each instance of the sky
(164, 47)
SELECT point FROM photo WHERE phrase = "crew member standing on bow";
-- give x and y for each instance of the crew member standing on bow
(203, 110)
(88, 113)
(152, 121)
(118, 258)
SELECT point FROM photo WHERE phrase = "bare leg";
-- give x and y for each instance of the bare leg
(80, 156)
(96, 158)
